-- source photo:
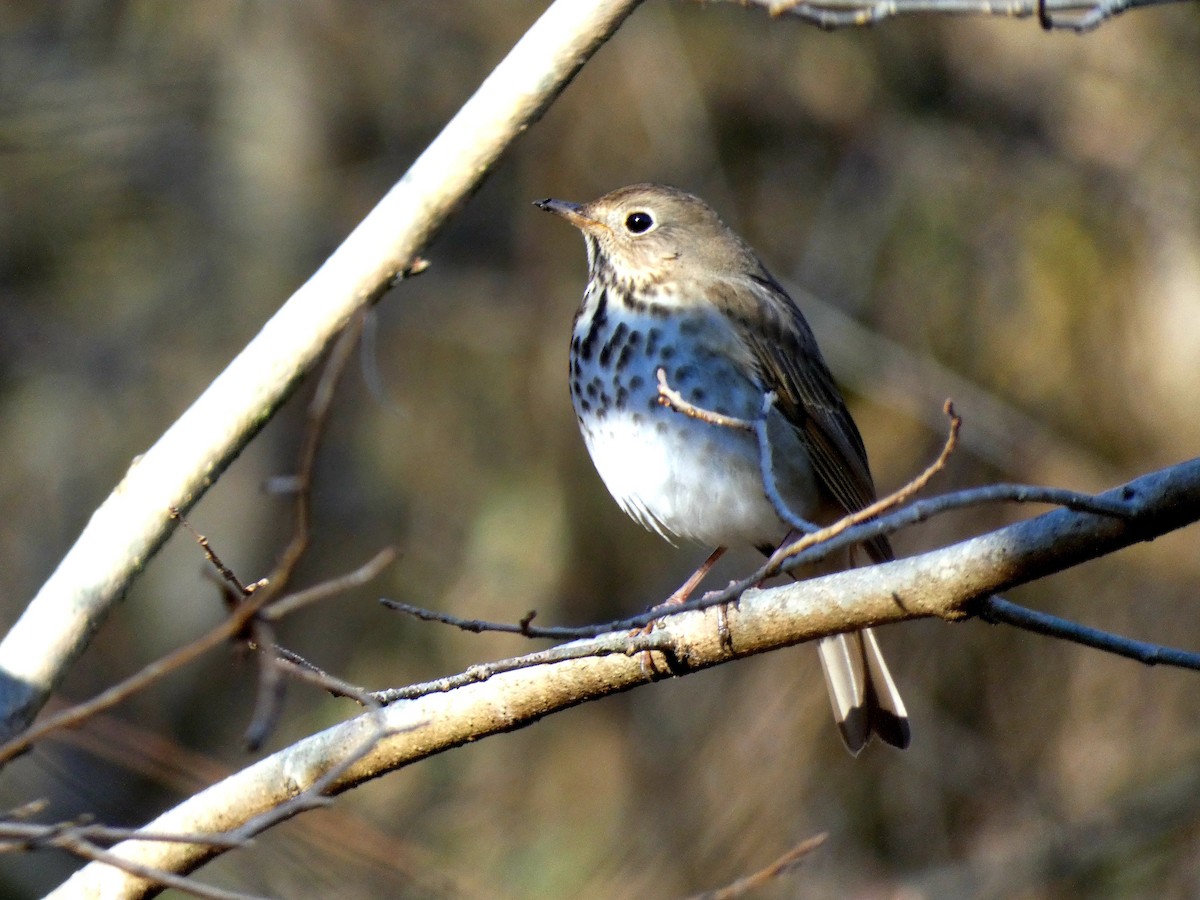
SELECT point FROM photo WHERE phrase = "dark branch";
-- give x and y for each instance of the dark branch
(997, 609)
(1077, 15)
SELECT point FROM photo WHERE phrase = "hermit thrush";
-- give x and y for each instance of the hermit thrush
(671, 287)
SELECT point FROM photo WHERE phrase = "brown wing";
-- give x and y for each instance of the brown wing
(790, 364)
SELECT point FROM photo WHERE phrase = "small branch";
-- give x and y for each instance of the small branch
(155, 876)
(602, 645)
(997, 609)
(226, 574)
(319, 408)
(368, 571)
(477, 626)
(670, 397)
(760, 879)
(1083, 15)
(29, 836)
(272, 688)
(782, 558)
(306, 672)
(1125, 504)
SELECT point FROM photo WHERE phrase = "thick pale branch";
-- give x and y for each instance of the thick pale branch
(134, 521)
(941, 583)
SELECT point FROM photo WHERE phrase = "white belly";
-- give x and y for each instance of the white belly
(696, 480)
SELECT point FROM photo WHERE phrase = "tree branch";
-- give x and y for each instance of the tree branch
(943, 583)
(1083, 15)
(134, 521)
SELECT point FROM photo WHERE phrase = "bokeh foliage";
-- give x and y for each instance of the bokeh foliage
(1016, 208)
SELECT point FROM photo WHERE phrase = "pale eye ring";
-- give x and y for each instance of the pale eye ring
(639, 222)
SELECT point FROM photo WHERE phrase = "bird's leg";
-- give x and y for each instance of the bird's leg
(684, 592)
(773, 558)
(681, 595)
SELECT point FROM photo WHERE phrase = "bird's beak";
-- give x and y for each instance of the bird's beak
(572, 212)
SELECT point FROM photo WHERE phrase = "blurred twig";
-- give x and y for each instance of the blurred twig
(780, 867)
(271, 685)
(84, 839)
(72, 716)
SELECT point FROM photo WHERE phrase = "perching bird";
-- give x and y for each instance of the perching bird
(670, 286)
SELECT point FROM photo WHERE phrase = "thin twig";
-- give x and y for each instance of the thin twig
(763, 877)
(331, 683)
(780, 560)
(668, 396)
(227, 574)
(319, 408)
(1085, 15)
(149, 674)
(997, 609)
(315, 797)
(272, 687)
(30, 836)
(919, 511)
(87, 850)
(605, 644)
(766, 464)
(270, 691)
(365, 573)
(227, 629)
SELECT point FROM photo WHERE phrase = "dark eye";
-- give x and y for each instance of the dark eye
(639, 222)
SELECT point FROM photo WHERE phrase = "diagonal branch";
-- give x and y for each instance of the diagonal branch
(133, 522)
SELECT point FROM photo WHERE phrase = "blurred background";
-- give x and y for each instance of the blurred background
(964, 207)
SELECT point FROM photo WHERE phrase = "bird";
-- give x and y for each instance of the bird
(672, 288)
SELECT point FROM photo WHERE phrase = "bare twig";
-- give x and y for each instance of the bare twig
(782, 866)
(31, 836)
(367, 572)
(610, 642)
(670, 397)
(319, 408)
(271, 686)
(160, 877)
(306, 672)
(226, 630)
(997, 609)
(1083, 15)
(781, 558)
(226, 574)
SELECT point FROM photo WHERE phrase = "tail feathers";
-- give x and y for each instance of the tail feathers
(864, 696)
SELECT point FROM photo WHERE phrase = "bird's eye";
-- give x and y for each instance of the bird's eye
(639, 222)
